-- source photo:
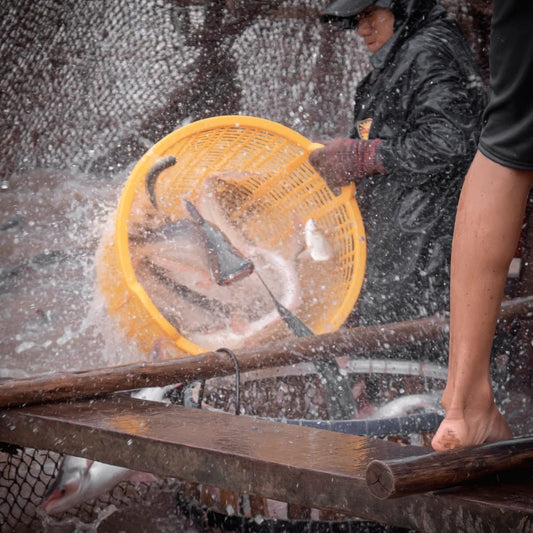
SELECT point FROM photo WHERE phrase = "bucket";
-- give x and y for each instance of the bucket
(266, 192)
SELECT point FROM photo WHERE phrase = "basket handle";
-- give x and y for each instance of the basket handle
(342, 193)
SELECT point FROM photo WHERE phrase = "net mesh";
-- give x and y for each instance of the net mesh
(25, 476)
(93, 86)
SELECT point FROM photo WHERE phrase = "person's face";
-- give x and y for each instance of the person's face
(376, 26)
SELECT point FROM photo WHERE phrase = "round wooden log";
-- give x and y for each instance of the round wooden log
(354, 341)
(438, 470)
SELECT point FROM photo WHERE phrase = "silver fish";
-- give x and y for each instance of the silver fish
(409, 404)
(317, 245)
(166, 232)
(225, 262)
(210, 304)
(153, 394)
(174, 271)
(82, 479)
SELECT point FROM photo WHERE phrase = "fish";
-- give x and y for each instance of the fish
(204, 288)
(409, 404)
(226, 263)
(251, 315)
(175, 274)
(341, 403)
(167, 231)
(154, 394)
(187, 394)
(81, 479)
(154, 172)
(316, 243)
(212, 305)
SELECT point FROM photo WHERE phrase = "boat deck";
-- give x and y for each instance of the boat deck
(300, 465)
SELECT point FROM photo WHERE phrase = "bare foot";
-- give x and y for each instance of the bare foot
(470, 428)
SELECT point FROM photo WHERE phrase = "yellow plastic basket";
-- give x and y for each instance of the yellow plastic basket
(282, 187)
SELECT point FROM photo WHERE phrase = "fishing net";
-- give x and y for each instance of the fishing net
(93, 86)
(25, 476)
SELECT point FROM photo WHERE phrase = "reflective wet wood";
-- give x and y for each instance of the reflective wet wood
(302, 466)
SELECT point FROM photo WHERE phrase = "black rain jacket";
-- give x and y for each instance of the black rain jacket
(425, 98)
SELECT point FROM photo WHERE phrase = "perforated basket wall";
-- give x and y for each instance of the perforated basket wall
(281, 187)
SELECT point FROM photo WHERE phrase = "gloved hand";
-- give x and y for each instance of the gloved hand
(344, 160)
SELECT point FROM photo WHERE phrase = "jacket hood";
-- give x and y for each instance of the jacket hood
(411, 14)
(409, 17)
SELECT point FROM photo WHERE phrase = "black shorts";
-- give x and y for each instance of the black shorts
(507, 135)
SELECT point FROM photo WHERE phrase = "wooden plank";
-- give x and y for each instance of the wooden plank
(89, 383)
(299, 465)
(411, 475)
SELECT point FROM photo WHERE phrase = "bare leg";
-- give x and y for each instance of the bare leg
(487, 228)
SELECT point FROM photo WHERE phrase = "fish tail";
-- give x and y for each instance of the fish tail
(153, 174)
(195, 214)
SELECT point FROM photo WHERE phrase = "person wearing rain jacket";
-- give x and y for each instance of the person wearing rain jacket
(417, 119)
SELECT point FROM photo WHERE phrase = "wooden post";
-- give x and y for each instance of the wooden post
(412, 475)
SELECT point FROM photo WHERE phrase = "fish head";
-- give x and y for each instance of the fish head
(226, 263)
(66, 489)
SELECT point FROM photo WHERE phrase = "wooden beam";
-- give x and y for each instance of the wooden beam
(298, 465)
(85, 384)
(412, 475)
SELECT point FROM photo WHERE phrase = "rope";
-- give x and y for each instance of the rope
(237, 378)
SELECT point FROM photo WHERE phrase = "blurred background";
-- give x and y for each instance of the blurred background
(91, 85)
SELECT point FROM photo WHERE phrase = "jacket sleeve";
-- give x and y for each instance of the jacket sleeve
(438, 130)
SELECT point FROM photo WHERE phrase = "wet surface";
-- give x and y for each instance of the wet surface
(53, 319)
(52, 315)
(301, 465)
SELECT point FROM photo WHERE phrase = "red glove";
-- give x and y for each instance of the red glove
(343, 160)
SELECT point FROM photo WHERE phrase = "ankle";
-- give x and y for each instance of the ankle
(477, 397)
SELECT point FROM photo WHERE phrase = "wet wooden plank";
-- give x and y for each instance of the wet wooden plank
(299, 465)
